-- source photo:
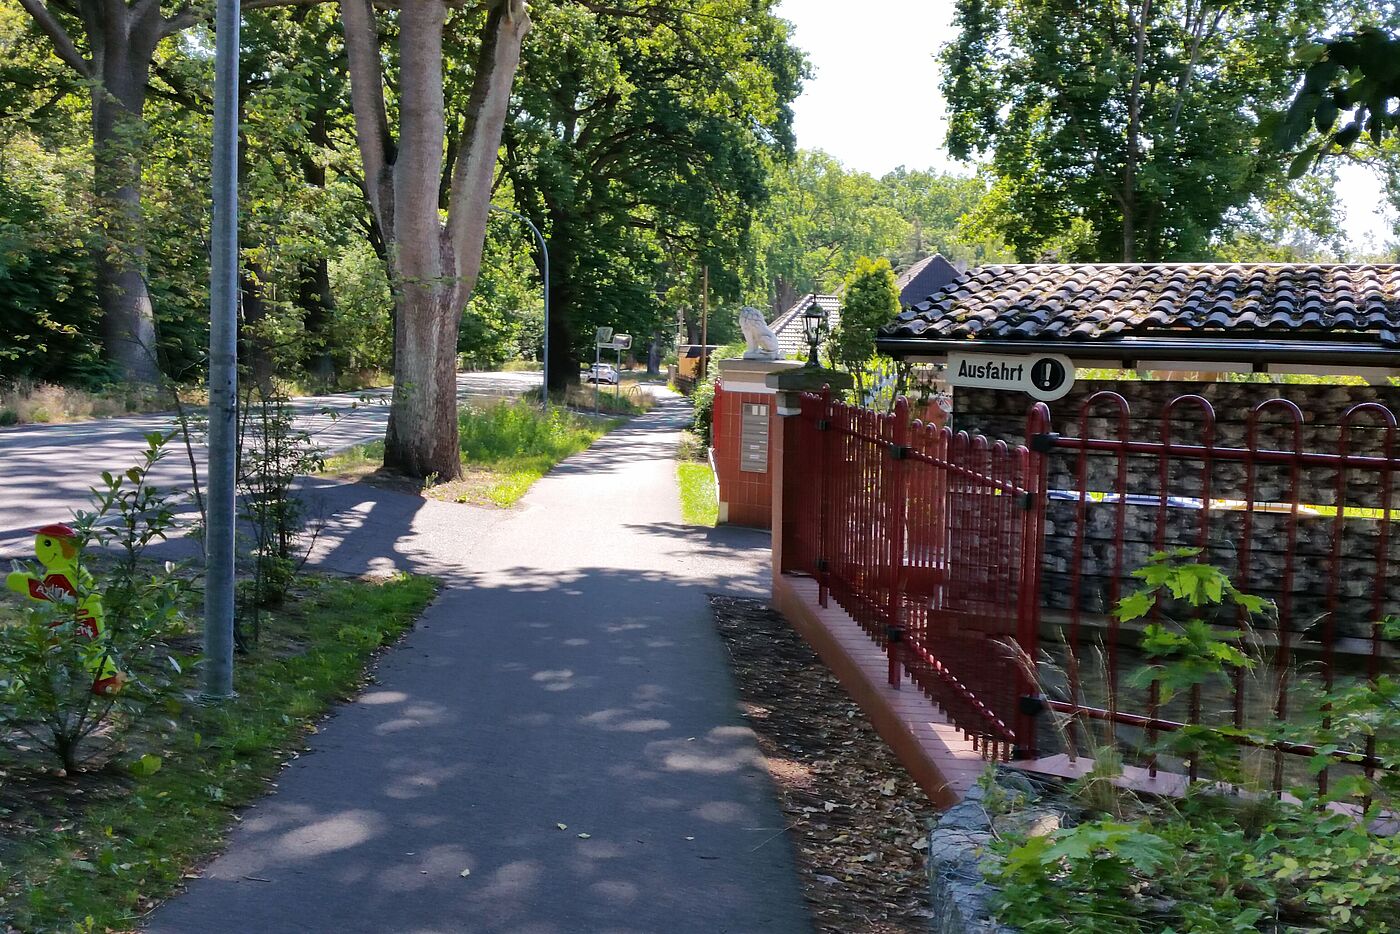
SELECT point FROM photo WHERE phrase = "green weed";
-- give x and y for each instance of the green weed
(699, 504)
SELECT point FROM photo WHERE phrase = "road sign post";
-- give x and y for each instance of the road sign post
(620, 342)
(600, 337)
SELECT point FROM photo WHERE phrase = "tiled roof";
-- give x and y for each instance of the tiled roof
(788, 325)
(1084, 302)
(924, 278)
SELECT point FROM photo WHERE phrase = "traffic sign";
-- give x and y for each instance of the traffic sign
(1046, 377)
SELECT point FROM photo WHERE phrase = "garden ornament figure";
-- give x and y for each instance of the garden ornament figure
(56, 547)
(763, 343)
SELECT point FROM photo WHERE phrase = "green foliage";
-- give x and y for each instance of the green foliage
(272, 454)
(703, 411)
(1199, 867)
(48, 313)
(116, 852)
(1350, 88)
(870, 301)
(703, 399)
(1049, 92)
(639, 145)
(522, 443)
(1217, 862)
(50, 659)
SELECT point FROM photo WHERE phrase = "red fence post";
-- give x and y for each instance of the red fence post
(896, 495)
(1039, 440)
(825, 465)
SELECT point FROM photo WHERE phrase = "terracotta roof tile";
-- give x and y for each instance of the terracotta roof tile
(1093, 301)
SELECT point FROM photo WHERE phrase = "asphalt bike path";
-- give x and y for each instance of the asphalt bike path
(556, 747)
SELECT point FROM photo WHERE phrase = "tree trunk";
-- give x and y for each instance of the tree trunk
(784, 294)
(1129, 199)
(563, 360)
(118, 98)
(422, 439)
(654, 354)
(433, 266)
(318, 305)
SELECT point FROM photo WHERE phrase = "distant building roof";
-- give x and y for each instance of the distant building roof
(1181, 311)
(924, 278)
(788, 325)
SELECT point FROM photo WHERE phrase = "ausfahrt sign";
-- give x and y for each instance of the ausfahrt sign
(1046, 377)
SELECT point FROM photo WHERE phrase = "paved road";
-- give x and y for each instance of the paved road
(569, 673)
(47, 470)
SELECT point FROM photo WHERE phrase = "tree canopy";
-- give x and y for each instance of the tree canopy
(1138, 130)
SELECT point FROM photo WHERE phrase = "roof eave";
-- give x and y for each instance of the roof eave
(1131, 350)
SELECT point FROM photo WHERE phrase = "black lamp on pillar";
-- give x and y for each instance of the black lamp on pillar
(814, 328)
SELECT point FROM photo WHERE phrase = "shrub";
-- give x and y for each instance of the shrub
(704, 401)
(61, 683)
(272, 454)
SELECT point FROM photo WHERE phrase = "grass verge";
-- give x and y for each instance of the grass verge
(24, 402)
(94, 852)
(506, 447)
(699, 504)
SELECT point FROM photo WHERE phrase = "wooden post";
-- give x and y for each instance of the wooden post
(705, 324)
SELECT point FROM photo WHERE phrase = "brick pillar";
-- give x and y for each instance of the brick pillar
(786, 452)
(743, 441)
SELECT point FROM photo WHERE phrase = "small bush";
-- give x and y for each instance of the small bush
(91, 649)
(704, 401)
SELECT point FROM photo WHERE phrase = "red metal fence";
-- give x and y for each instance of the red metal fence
(925, 537)
(990, 570)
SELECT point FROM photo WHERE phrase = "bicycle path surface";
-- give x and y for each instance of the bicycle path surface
(568, 673)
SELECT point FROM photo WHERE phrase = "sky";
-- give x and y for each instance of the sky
(874, 103)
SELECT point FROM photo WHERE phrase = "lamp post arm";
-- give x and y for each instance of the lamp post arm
(544, 270)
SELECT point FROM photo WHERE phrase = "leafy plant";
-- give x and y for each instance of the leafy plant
(92, 651)
(869, 302)
(273, 452)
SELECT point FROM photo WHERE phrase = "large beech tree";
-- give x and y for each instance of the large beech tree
(433, 259)
(1127, 130)
(639, 145)
(111, 45)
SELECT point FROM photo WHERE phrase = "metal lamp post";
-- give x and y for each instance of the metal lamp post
(814, 328)
(544, 269)
(223, 363)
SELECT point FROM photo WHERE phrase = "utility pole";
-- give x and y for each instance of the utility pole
(705, 324)
(223, 363)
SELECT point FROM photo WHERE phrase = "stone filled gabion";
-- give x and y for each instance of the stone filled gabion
(959, 896)
(1315, 584)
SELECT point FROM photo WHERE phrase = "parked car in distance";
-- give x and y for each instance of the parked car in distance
(601, 373)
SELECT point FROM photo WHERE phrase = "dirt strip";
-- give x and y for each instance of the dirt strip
(856, 820)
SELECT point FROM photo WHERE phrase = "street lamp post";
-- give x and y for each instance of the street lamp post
(814, 327)
(223, 363)
(544, 255)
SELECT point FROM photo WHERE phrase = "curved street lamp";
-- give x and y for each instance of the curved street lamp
(544, 253)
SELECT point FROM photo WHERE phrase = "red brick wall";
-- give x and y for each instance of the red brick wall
(748, 495)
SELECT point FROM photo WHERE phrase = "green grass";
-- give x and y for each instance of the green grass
(520, 444)
(699, 506)
(506, 447)
(126, 842)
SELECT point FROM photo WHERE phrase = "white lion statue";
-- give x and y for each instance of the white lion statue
(763, 343)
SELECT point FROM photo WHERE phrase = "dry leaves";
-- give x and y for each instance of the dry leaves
(856, 818)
